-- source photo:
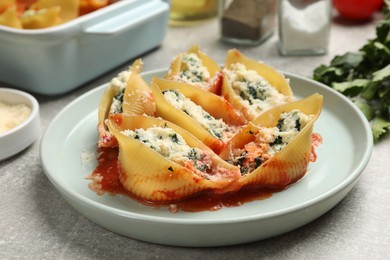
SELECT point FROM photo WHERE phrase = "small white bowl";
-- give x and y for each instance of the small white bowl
(24, 134)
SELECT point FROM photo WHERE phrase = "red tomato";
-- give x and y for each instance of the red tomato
(357, 9)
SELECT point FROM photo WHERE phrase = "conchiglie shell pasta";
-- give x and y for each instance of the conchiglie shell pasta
(177, 66)
(152, 177)
(288, 165)
(4, 4)
(106, 139)
(275, 78)
(137, 100)
(170, 113)
(208, 62)
(69, 9)
(9, 17)
(215, 105)
(48, 18)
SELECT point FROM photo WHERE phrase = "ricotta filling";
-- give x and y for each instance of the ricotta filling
(216, 127)
(270, 140)
(172, 146)
(255, 92)
(193, 71)
(119, 84)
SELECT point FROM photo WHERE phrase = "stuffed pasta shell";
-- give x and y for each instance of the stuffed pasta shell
(10, 17)
(196, 68)
(46, 13)
(274, 150)
(43, 18)
(207, 116)
(161, 162)
(68, 10)
(253, 87)
(127, 93)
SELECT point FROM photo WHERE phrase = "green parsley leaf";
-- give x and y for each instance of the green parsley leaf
(379, 128)
(351, 88)
(364, 77)
(381, 74)
(366, 108)
(349, 60)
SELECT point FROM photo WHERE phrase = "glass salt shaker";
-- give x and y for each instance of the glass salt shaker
(247, 22)
(304, 26)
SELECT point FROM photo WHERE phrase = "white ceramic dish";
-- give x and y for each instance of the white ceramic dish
(346, 149)
(56, 60)
(23, 135)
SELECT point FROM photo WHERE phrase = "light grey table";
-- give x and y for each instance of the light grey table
(37, 223)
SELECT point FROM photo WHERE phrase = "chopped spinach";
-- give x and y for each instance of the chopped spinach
(258, 161)
(193, 156)
(364, 77)
(278, 140)
(239, 161)
(280, 124)
(244, 170)
(174, 138)
(216, 134)
(254, 90)
(191, 69)
(119, 98)
(298, 125)
(185, 111)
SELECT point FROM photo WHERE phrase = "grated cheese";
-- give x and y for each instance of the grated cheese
(87, 157)
(12, 115)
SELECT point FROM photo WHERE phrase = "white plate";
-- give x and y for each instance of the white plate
(345, 152)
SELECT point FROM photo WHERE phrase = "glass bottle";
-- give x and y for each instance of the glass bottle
(186, 12)
(304, 26)
(248, 22)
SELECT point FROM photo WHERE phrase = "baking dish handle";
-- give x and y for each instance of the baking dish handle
(129, 19)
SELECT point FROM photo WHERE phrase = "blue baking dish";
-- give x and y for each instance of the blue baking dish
(55, 60)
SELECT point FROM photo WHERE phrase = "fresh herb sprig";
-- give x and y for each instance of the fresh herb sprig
(364, 77)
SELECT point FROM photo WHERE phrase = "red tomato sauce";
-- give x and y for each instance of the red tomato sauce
(105, 179)
(316, 140)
